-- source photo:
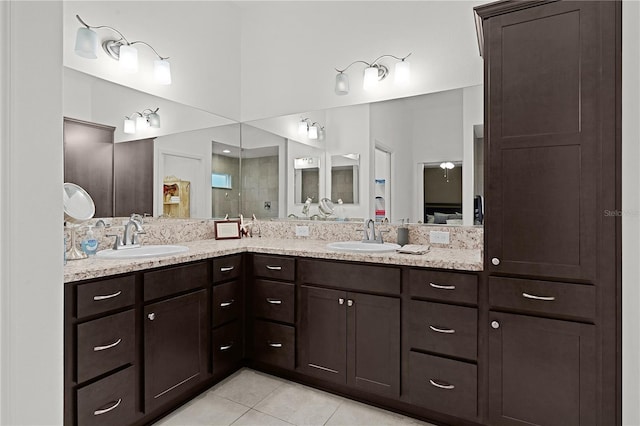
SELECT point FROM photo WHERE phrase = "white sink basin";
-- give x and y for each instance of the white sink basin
(360, 247)
(142, 252)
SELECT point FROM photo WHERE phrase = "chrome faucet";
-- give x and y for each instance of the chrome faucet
(131, 236)
(369, 233)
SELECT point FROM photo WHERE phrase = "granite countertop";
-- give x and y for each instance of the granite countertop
(444, 258)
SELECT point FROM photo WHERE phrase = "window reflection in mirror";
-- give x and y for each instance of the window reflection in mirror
(345, 171)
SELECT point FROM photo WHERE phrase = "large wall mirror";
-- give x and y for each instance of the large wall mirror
(268, 169)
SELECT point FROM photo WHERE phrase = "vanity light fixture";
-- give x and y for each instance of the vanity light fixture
(374, 73)
(121, 50)
(312, 130)
(143, 120)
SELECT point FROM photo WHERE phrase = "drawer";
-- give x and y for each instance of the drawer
(169, 281)
(277, 267)
(543, 297)
(444, 286)
(105, 295)
(227, 302)
(110, 401)
(443, 385)
(274, 344)
(227, 347)
(445, 329)
(349, 276)
(105, 344)
(227, 268)
(274, 300)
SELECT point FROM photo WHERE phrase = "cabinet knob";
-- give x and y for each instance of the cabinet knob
(151, 316)
(495, 324)
(495, 261)
(341, 301)
(349, 302)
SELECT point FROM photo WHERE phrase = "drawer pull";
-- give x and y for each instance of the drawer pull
(274, 301)
(275, 345)
(105, 347)
(442, 287)
(534, 297)
(227, 347)
(274, 268)
(226, 268)
(442, 330)
(225, 304)
(441, 386)
(107, 296)
(106, 410)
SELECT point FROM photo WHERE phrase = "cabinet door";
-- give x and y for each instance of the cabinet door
(545, 108)
(373, 336)
(175, 347)
(541, 371)
(323, 333)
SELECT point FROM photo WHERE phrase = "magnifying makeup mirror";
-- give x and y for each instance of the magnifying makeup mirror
(78, 208)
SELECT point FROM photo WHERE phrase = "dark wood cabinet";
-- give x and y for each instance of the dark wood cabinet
(176, 344)
(133, 177)
(351, 338)
(541, 371)
(552, 119)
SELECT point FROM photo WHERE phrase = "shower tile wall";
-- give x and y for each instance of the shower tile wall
(260, 186)
(342, 184)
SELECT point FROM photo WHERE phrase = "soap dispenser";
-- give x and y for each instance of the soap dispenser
(89, 244)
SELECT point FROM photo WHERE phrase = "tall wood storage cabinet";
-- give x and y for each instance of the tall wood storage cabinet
(552, 247)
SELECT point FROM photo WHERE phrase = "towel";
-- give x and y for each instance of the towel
(413, 249)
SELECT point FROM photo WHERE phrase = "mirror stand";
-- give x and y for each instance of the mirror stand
(74, 252)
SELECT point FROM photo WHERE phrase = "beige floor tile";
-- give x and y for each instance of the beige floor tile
(256, 418)
(207, 409)
(247, 387)
(351, 413)
(300, 405)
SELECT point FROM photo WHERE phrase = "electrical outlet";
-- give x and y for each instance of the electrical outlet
(302, 231)
(438, 237)
(267, 205)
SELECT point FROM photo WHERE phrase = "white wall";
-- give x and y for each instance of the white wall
(31, 210)
(631, 213)
(202, 39)
(290, 50)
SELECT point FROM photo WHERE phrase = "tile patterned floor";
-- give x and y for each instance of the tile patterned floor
(251, 398)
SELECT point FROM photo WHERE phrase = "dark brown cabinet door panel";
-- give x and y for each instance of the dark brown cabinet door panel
(276, 267)
(227, 268)
(373, 336)
(105, 295)
(274, 344)
(543, 111)
(541, 371)
(227, 302)
(166, 282)
(176, 340)
(109, 401)
(274, 300)
(227, 347)
(323, 333)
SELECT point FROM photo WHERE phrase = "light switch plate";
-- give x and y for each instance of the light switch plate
(302, 231)
(439, 237)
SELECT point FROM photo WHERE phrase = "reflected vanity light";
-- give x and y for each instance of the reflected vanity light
(374, 73)
(119, 49)
(446, 166)
(313, 130)
(143, 120)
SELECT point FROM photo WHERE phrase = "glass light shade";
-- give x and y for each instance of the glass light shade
(302, 128)
(402, 75)
(141, 123)
(321, 134)
(370, 78)
(162, 71)
(154, 120)
(128, 59)
(129, 126)
(313, 132)
(86, 43)
(447, 165)
(342, 84)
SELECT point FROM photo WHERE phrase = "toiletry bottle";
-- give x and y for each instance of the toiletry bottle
(340, 215)
(89, 244)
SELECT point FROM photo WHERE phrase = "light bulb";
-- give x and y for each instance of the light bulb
(303, 127)
(129, 126)
(128, 59)
(370, 78)
(86, 43)
(162, 71)
(342, 84)
(402, 75)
